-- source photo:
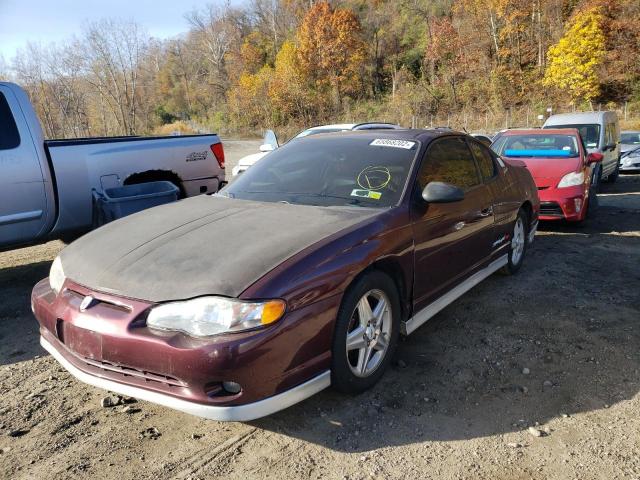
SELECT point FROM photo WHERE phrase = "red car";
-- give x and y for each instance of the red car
(561, 167)
(300, 274)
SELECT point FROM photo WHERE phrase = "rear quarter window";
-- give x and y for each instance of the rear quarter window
(9, 136)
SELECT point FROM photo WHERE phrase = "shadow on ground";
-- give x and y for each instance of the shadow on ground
(18, 328)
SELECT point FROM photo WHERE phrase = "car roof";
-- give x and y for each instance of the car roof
(578, 117)
(630, 131)
(537, 131)
(353, 126)
(334, 126)
(419, 134)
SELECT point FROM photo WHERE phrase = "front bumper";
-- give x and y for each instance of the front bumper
(108, 345)
(563, 203)
(631, 164)
(240, 413)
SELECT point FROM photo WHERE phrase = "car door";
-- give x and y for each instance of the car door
(489, 167)
(451, 239)
(22, 191)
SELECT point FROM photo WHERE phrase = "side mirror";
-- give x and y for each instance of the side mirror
(267, 147)
(271, 140)
(440, 192)
(594, 157)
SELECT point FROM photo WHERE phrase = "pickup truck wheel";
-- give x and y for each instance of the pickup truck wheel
(518, 246)
(366, 333)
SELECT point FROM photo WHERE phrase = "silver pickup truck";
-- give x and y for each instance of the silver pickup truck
(46, 185)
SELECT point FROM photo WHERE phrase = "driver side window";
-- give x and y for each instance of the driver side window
(449, 160)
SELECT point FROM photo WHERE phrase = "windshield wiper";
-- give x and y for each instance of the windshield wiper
(350, 200)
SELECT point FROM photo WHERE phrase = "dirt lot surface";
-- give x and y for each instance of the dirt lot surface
(533, 376)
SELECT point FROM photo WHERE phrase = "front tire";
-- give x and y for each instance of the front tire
(518, 247)
(615, 174)
(366, 333)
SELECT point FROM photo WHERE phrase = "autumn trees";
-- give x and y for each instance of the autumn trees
(575, 59)
(274, 63)
(313, 72)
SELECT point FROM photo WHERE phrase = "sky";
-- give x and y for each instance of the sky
(47, 21)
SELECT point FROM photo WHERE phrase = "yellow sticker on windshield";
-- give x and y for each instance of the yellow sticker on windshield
(366, 194)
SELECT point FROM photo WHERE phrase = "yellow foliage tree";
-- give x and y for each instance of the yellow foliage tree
(288, 89)
(249, 99)
(573, 62)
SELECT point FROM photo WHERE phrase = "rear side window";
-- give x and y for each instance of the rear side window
(484, 159)
(9, 137)
(449, 160)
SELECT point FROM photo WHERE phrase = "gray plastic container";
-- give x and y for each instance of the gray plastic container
(119, 202)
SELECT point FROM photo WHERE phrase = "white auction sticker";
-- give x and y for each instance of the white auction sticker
(388, 142)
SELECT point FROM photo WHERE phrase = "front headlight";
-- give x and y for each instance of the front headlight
(572, 179)
(56, 276)
(206, 316)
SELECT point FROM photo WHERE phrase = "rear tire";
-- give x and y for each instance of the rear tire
(366, 333)
(519, 242)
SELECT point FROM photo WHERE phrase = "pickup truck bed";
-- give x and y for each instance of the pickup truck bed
(46, 185)
(130, 160)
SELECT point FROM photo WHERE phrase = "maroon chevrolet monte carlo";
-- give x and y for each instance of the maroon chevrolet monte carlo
(299, 275)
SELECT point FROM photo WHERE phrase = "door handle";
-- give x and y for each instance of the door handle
(486, 212)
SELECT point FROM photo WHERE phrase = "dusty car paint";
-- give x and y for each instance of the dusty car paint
(422, 249)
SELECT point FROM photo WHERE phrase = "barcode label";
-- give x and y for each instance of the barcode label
(387, 142)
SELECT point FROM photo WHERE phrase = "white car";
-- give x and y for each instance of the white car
(271, 142)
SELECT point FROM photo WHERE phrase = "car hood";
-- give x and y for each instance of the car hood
(206, 245)
(545, 169)
(251, 159)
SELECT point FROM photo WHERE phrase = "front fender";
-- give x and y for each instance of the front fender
(328, 268)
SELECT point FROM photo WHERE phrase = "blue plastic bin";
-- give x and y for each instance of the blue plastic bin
(118, 202)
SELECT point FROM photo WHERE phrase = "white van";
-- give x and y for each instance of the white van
(600, 132)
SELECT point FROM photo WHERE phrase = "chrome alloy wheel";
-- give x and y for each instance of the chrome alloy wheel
(369, 333)
(517, 241)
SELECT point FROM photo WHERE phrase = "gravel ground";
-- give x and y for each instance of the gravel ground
(532, 376)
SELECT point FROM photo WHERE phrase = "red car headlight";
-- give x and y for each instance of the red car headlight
(572, 179)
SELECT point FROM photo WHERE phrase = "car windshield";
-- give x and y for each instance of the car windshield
(630, 138)
(330, 171)
(537, 145)
(589, 133)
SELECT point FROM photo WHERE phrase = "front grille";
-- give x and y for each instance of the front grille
(551, 209)
(77, 297)
(133, 372)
